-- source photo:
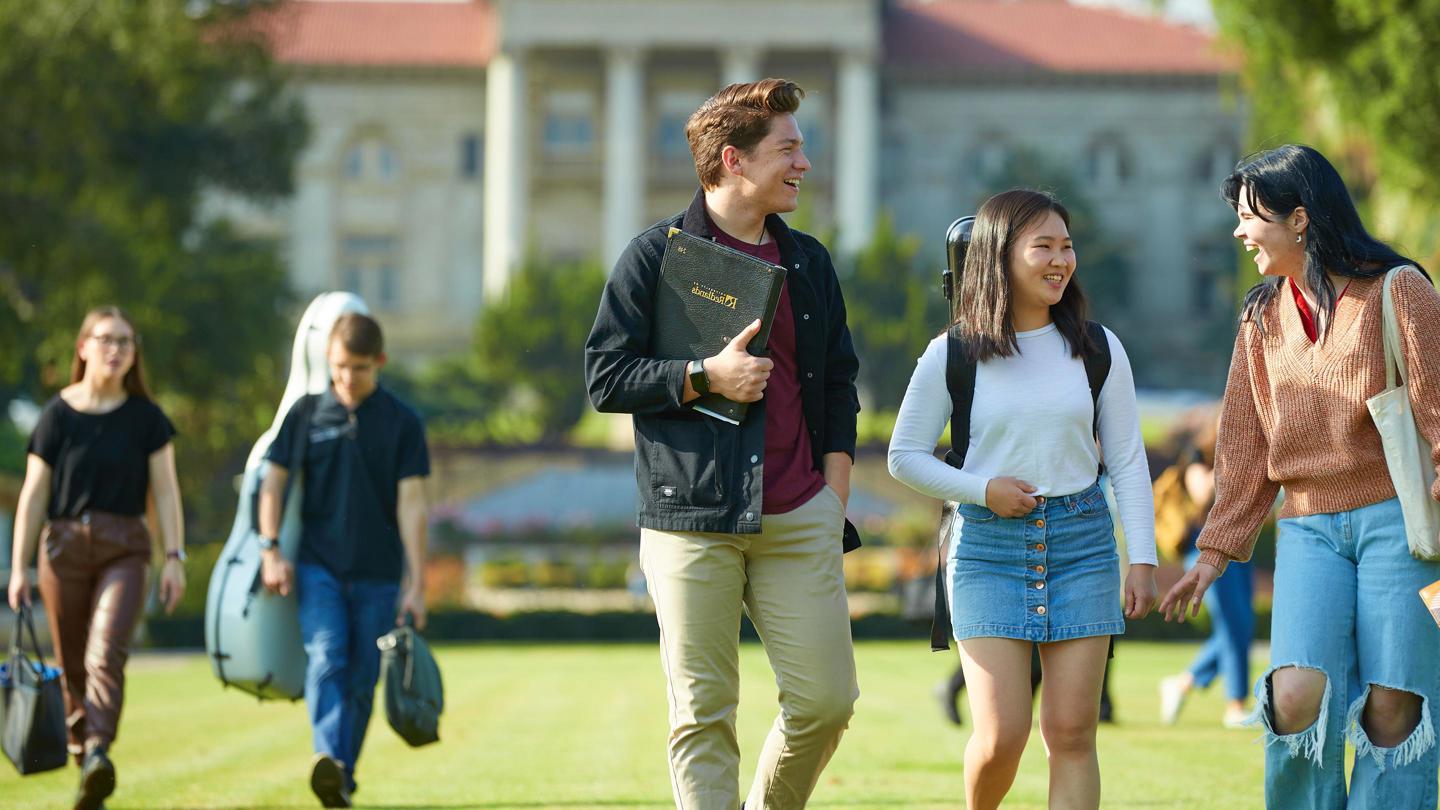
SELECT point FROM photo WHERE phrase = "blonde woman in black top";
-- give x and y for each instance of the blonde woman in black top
(99, 456)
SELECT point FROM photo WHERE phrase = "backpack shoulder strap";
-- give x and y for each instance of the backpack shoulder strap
(1097, 371)
(960, 381)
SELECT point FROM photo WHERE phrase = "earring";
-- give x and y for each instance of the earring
(1298, 238)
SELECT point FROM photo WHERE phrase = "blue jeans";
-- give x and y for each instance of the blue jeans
(340, 622)
(1232, 626)
(1346, 604)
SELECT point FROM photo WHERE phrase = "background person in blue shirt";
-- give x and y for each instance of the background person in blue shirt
(365, 465)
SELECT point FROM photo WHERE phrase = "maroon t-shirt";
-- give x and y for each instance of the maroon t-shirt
(790, 478)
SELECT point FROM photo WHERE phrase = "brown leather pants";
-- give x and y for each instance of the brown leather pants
(92, 580)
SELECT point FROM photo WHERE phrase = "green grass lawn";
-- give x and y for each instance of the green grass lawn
(575, 726)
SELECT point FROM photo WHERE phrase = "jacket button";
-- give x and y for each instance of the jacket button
(749, 515)
(754, 459)
(806, 316)
(1040, 610)
(809, 375)
(797, 265)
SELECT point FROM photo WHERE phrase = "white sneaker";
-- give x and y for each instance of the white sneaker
(1172, 698)
(1235, 718)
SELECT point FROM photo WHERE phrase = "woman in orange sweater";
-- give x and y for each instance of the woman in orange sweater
(1354, 654)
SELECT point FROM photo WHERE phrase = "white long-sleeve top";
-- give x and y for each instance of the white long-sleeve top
(1031, 419)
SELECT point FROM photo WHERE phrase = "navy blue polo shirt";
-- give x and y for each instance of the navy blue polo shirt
(354, 463)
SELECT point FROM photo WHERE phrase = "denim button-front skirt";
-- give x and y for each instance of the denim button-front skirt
(1051, 575)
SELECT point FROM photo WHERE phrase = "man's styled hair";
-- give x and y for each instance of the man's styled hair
(359, 334)
(738, 116)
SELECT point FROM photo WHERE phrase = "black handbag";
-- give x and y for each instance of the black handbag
(34, 701)
(414, 694)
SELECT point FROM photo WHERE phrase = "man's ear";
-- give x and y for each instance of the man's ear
(730, 159)
(380, 361)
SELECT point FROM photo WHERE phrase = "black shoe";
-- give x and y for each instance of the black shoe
(97, 780)
(327, 780)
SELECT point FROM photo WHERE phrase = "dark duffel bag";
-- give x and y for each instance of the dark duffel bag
(414, 695)
(34, 701)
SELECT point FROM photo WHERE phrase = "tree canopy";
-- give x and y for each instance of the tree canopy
(120, 118)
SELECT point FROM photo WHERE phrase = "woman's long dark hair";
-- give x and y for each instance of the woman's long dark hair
(134, 381)
(1277, 182)
(983, 316)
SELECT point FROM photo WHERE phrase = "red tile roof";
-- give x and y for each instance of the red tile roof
(1043, 36)
(381, 34)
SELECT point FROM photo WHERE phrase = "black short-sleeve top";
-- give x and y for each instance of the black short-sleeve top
(99, 461)
(353, 464)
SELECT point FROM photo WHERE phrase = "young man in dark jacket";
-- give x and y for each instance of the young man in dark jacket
(752, 515)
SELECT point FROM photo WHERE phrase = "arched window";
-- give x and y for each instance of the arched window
(1107, 162)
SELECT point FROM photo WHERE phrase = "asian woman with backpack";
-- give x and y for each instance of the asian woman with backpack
(1028, 386)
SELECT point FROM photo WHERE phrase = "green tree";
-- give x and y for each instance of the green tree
(893, 307)
(534, 337)
(118, 117)
(1351, 78)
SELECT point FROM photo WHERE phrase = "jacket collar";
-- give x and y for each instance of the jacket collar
(696, 222)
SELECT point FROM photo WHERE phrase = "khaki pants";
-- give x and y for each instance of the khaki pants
(790, 581)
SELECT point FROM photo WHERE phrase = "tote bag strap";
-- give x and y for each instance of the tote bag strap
(1394, 354)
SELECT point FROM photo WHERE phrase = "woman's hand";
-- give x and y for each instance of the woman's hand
(1188, 592)
(1009, 497)
(19, 588)
(172, 584)
(1140, 593)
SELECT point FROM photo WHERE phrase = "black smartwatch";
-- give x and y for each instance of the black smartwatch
(268, 543)
(698, 379)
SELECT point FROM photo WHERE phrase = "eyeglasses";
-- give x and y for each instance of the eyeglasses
(123, 342)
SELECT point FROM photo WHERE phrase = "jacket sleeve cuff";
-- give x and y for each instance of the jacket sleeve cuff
(1212, 557)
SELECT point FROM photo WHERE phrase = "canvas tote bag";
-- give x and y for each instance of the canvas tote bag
(1407, 453)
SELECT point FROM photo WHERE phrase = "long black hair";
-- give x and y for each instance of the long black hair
(983, 314)
(1277, 182)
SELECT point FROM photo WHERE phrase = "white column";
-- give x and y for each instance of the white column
(624, 150)
(506, 169)
(739, 64)
(857, 148)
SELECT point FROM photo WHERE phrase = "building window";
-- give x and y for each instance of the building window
(989, 157)
(371, 159)
(469, 156)
(1213, 267)
(1107, 162)
(811, 117)
(672, 111)
(569, 123)
(1215, 163)
(369, 268)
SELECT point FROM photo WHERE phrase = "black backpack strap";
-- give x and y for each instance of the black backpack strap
(960, 381)
(1097, 371)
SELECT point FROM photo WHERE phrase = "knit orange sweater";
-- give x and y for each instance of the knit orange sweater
(1294, 414)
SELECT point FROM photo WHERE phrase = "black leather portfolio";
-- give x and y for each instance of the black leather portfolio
(708, 294)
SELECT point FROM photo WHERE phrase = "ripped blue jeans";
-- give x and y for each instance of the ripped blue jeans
(1346, 604)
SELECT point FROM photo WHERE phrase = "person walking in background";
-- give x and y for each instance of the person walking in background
(1034, 558)
(362, 546)
(1183, 495)
(1354, 653)
(749, 515)
(99, 456)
